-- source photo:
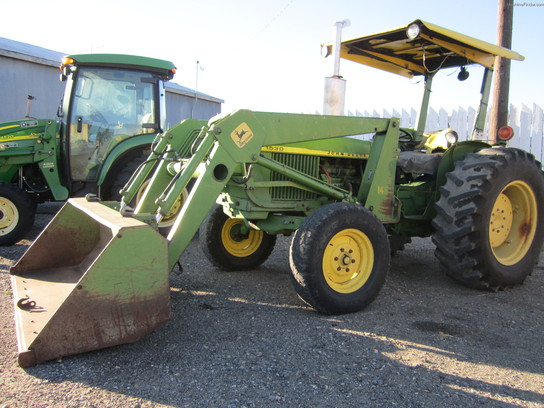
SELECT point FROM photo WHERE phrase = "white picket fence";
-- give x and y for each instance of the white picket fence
(527, 124)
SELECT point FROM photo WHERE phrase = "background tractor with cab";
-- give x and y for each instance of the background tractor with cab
(99, 273)
(113, 108)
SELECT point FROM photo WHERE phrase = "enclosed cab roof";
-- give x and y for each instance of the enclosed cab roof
(420, 48)
(162, 67)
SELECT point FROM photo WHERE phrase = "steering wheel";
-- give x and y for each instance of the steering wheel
(405, 136)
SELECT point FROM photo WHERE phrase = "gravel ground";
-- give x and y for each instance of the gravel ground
(244, 339)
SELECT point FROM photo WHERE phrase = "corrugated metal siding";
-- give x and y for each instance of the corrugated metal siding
(18, 79)
(179, 107)
(29, 70)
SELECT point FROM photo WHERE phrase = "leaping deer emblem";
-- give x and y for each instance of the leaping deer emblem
(241, 135)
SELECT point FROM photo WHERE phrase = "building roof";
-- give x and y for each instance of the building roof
(31, 53)
(43, 56)
(182, 90)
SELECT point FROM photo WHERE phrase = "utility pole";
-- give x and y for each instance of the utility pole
(501, 84)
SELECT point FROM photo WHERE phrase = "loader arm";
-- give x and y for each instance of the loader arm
(238, 139)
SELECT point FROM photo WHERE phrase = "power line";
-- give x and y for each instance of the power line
(272, 20)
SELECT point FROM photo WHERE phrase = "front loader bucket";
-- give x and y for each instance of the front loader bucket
(92, 279)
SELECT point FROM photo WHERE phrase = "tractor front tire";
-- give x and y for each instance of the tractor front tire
(229, 249)
(339, 258)
(489, 222)
(123, 174)
(17, 211)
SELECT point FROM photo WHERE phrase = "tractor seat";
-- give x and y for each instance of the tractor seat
(419, 162)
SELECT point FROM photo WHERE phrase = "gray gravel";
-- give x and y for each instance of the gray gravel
(244, 339)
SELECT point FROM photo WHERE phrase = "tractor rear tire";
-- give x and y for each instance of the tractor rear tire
(489, 226)
(228, 249)
(123, 172)
(339, 258)
(17, 211)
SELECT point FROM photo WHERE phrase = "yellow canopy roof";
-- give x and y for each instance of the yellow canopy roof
(435, 48)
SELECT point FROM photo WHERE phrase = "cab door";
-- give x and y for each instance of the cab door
(108, 106)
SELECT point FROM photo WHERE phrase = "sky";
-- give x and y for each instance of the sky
(265, 54)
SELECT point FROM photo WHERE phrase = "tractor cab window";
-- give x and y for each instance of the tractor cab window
(108, 106)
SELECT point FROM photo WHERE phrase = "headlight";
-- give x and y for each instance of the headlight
(463, 74)
(326, 50)
(451, 137)
(413, 31)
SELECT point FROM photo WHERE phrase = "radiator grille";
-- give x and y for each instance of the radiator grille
(303, 163)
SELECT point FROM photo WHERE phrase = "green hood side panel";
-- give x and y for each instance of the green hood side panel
(32, 141)
(18, 144)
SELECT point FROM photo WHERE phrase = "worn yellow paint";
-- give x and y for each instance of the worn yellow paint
(513, 221)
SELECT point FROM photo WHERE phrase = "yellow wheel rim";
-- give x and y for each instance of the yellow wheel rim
(348, 260)
(9, 216)
(512, 224)
(170, 218)
(237, 244)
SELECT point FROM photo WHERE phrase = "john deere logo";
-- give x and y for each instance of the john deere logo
(241, 135)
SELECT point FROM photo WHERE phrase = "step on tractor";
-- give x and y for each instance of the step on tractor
(98, 275)
(113, 108)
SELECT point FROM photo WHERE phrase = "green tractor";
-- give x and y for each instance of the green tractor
(112, 110)
(99, 273)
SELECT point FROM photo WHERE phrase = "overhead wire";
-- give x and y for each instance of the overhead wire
(272, 20)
